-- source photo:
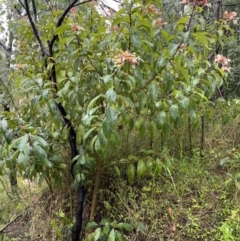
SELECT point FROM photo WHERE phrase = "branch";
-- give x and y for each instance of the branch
(6, 48)
(5, 189)
(34, 10)
(148, 82)
(60, 21)
(87, 1)
(22, 4)
(2, 230)
(35, 31)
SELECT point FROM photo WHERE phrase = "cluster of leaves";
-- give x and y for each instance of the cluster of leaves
(107, 230)
(168, 78)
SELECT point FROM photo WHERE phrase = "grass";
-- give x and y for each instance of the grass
(190, 210)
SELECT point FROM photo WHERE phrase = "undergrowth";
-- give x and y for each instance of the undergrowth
(193, 198)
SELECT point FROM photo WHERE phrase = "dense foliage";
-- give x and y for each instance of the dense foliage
(84, 79)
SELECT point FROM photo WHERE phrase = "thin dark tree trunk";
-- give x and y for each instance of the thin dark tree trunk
(66, 122)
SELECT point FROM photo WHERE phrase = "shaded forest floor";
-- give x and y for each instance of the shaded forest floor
(194, 198)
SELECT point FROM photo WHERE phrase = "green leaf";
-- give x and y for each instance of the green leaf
(141, 168)
(112, 235)
(158, 168)
(105, 221)
(124, 19)
(22, 159)
(26, 150)
(147, 25)
(130, 124)
(161, 62)
(97, 234)
(107, 129)
(76, 63)
(91, 225)
(149, 165)
(142, 130)
(161, 120)
(80, 133)
(131, 173)
(88, 133)
(193, 115)
(106, 230)
(224, 161)
(111, 95)
(40, 140)
(139, 122)
(3, 125)
(142, 99)
(185, 36)
(92, 102)
(40, 153)
(135, 39)
(168, 81)
(118, 236)
(167, 37)
(153, 93)
(181, 23)
(23, 142)
(107, 78)
(173, 111)
(102, 139)
(183, 102)
(111, 114)
(117, 171)
(126, 226)
(62, 29)
(152, 129)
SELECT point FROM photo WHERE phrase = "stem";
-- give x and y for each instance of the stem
(202, 136)
(130, 26)
(190, 135)
(4, 187)
(49, 184)
(96, 185)
(35, 30)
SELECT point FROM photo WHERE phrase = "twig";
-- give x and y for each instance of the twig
(148, 82)
(35, 30)
(1, 231)
(22, 4)
(6, 48)
(5, 189)
(77, 4)
(60, 21)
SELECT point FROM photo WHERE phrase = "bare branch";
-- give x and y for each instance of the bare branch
(35, 30)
